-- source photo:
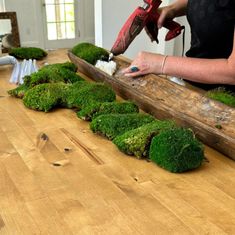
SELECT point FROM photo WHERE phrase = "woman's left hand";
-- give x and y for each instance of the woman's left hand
(146, 63)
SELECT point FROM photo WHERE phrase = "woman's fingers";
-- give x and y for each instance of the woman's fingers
(134, 68)
(131, 71)
(133, 74)
(144, 63)
(165, 13)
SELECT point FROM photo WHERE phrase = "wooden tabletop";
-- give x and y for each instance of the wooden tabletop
(57, 177)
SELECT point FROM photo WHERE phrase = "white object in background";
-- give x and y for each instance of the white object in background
(7, 60)
(20, 70)
(34, 67)
(177, 80)
(25, 70)
(0, 49)
(15, 73)
(107, 67)
(27, 67)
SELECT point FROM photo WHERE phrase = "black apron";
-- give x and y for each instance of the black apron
(212, 25)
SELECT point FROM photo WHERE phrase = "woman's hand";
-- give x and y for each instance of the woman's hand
(178, 8)
(146, 63)
(165, 13)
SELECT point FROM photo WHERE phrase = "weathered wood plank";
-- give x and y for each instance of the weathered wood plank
(165, 99)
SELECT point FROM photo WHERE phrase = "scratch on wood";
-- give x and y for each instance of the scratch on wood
(63, 162)
(2, 224)
(84, 148)
(42, 139)
(67, 149)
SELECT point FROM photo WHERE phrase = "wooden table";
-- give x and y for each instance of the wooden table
(57, 177)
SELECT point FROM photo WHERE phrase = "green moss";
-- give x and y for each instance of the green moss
(218, 126)
(89, 52)
(96, 109)
(223, 96)
(66, 65)
(60, 72)
(19, 91)
(80, 96)
(137, 142)
(28, 53)
(46, 96)
(176, 150)
(112, 125)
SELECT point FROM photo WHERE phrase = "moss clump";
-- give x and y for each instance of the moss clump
(82, 94)
(66, 65)
(46, 96)
(28, 53)
(112, 125)
(96, 109)
(220, 94)
(19, 91)
(137, 142)
(60, 72)
(176, 150)
(89, 52)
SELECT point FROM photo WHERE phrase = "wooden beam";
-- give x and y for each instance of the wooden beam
(167, 100)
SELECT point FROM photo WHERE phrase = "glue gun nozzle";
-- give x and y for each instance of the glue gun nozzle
(110, 56)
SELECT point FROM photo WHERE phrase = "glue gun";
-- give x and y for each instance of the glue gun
(144, 17)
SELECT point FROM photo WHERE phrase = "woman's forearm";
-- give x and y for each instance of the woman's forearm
(179, 7)
(220, 71)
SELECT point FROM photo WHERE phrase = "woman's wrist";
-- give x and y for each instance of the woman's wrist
(178, 8)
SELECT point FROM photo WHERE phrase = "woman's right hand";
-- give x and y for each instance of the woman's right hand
(165, 13)
(178, 8)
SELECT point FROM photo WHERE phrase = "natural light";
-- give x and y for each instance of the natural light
(60, 19)
(2, 5)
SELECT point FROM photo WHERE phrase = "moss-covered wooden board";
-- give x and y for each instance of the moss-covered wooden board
(213, 122)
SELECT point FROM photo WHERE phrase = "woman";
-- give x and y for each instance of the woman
(210, 61)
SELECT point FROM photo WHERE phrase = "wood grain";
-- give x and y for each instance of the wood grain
(98, 190)
(167, 100)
